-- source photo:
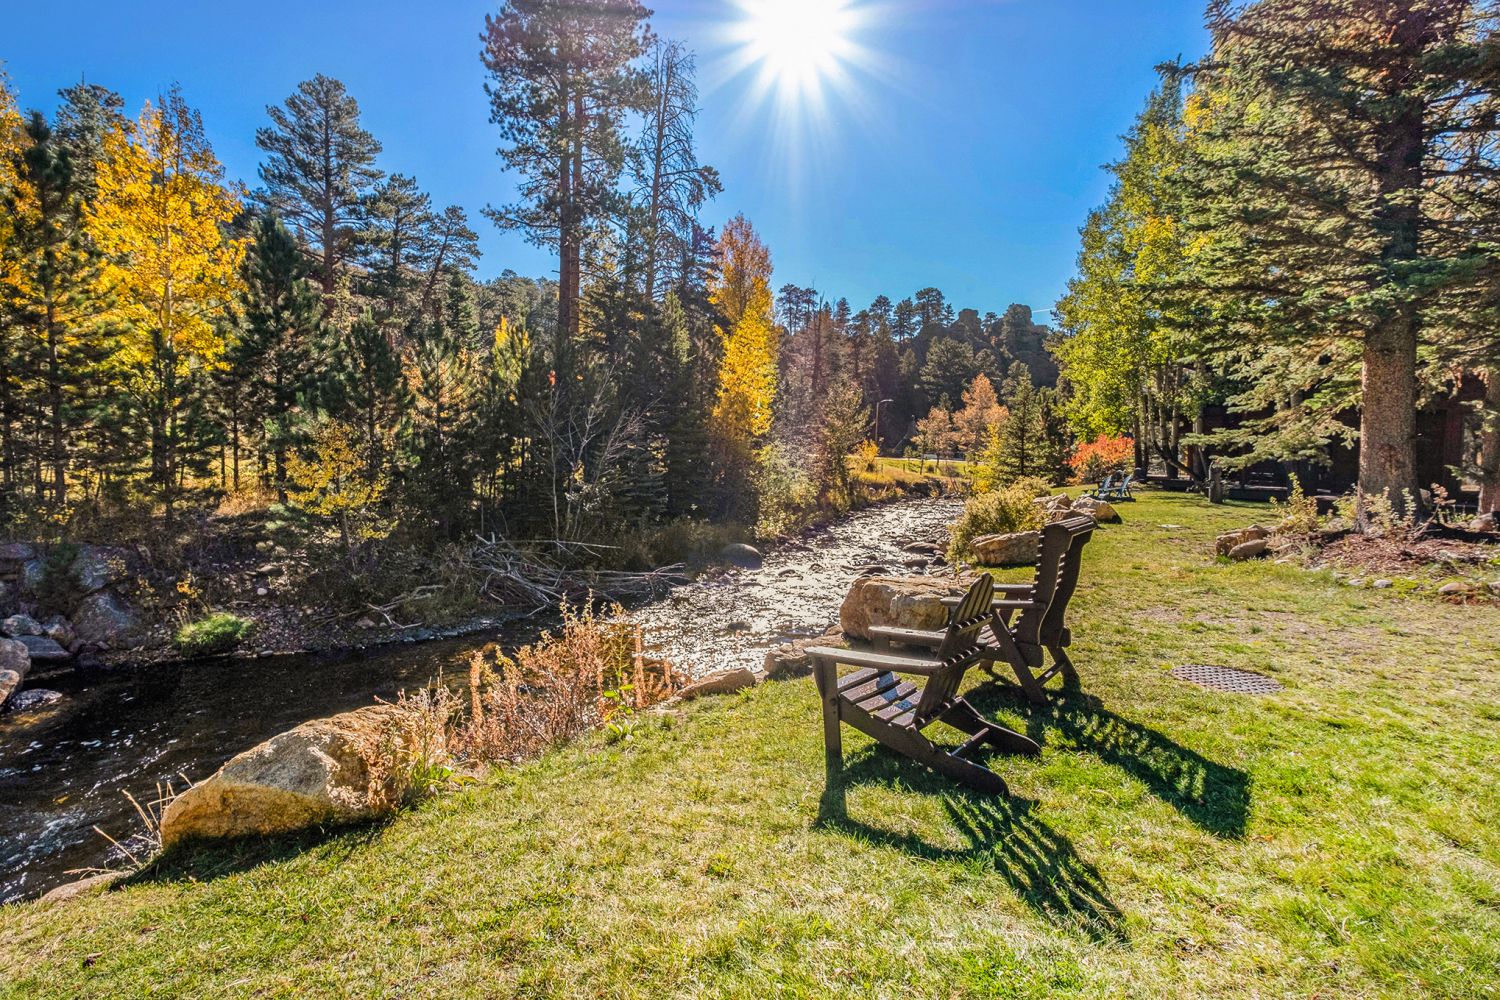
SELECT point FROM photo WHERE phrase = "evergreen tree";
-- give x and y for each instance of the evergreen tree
(563, 80)
(319, 171)
(276, 361)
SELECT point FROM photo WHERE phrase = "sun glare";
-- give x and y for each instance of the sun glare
(797, 48)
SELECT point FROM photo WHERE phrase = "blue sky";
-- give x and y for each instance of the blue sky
(964, 152)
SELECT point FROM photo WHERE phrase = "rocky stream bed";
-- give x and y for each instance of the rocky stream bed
(66, 765)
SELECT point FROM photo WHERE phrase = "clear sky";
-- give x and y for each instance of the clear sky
(958, 145)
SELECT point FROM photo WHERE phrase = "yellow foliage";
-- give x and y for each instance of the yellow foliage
(159, 218)
(334, 481)
(752, 342)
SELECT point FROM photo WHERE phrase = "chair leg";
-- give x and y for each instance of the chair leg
(1064, 665)
(967, 719)
(825, 674)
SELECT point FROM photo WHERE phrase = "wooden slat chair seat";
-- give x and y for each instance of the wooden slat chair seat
(1025, 631)
(877, 700)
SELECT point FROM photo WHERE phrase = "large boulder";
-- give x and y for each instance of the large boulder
(1099, 510)
(1227, 543)
(901, 602)
(1018, 549)
(104, 619)
(14, 663)
(344, 769)
(97, 566)
(1255, 548)
(33, 575)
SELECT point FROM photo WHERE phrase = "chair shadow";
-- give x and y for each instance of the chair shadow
(1213, 796)
(1003, 832)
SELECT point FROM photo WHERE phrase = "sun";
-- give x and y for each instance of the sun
(797, 47)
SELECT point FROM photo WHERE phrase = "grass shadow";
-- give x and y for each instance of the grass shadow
(1213, 796)
(207, 860)
(1004, 833)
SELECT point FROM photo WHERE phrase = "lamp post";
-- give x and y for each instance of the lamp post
(878, 405)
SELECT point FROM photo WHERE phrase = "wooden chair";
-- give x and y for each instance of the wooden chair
(1120, 491)
(1105, 487)
(1039, 610)
(875, 700)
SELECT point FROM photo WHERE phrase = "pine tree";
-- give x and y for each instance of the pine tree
(319, 171)
(397, 245)
(55, 302)
(563, 80)
(276, 360)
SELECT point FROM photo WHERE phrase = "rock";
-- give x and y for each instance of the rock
(1225, 544)
(17, 552)
(1254, 549)
(15, 661)
(1099, 510)
(32, 699)
(97, 566)
(342, 769)
(1357, 581)
(1484, 522)
(1457, 588)
(1495, 587)
(902, 602)
(43, 649)
(18, 625)
(723, 682)
(1382, 584)
(922, 548)
(103, 618)
(59, 630)
(262, 592)
(33, 575)
(365, 623)
(90, 886)
(791, 660)
(1017, 549)
(742, 556)
(874, 569)
(1054, 503)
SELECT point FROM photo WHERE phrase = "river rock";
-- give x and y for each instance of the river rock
(44, 650)
(33, 575)
(91, 886)
(59, 630)
(791, 660)
(1099, 510)
(97, 566)
(18, 625)
(922, 548)
(1226, 543)
(902, 602)
(17, 552)
(1457, 588)
(722, 682)
(343, 769)
(1018, 549)
(742, 556)
(32, 699)
(15, 661)
(105, 619)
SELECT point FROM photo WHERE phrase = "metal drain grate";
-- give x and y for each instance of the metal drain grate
(1226, 679)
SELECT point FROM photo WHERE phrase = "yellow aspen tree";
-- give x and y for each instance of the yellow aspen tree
(160, 218)
(12, 144)
(751, 339)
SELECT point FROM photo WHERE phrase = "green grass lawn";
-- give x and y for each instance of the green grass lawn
(1339, 839)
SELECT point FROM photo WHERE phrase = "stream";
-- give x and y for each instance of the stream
(67, 769)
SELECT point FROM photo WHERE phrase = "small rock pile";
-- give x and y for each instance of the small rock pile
(1253, 542)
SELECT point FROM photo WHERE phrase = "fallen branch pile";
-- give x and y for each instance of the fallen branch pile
(541, 575)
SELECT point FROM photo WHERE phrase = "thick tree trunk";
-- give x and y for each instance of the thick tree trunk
(1489, 444)
(1388, 420)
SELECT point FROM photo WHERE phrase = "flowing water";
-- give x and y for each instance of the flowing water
(66, 769)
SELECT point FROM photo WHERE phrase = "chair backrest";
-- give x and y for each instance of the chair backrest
(1042, 624)
(1109, 480)
(957, 649)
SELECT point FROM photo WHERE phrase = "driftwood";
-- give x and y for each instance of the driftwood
(542, 574)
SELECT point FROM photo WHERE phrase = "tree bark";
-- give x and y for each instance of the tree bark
(1489, 444)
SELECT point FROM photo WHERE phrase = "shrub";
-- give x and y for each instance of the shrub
(1093, 460)
(588, 673)
(867, 456)
(214, 635)
(1299, 515)
(999, 512)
